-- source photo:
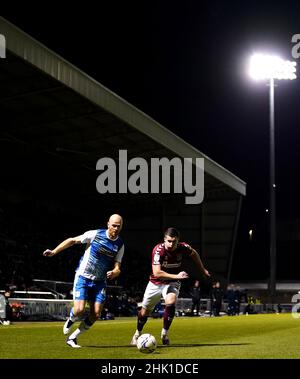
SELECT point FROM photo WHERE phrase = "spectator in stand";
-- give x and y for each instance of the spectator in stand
(279, 308)
(8, 310)
(238, 295)
(230, 296)
(196, 298)
(216, 299)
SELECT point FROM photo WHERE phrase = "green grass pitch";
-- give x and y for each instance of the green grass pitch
(253, 336)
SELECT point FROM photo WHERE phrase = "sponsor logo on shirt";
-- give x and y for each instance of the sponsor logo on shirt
(108, 253)
(171, 265)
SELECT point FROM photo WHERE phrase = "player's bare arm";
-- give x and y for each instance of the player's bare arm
(196, 258)
(115, 272)
(159, 273)
(62, 246)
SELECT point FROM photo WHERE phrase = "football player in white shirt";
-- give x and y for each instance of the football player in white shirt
(104, 249)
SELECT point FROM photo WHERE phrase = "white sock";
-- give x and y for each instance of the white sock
(75, 334)
(83, 327)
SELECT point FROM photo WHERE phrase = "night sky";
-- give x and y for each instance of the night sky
(185, 64)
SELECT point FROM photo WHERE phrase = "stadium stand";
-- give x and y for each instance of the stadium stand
(56, 123)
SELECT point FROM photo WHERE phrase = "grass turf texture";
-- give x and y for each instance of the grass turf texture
(253, 336)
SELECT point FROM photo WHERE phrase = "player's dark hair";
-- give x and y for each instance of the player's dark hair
(172, 232)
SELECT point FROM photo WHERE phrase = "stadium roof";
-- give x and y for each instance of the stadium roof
(58, 121)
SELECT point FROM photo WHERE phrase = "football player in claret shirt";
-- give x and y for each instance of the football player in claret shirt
(165, 281)
(101, 261)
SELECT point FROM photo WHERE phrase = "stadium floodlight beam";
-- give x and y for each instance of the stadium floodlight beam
(269, 67)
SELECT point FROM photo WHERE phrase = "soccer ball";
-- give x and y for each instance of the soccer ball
(146, 343)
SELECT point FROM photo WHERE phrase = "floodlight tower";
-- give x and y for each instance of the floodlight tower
(269, 67)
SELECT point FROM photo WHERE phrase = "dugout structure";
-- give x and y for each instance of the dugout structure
(57, 121)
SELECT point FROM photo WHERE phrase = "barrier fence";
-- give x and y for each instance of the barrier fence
(37, 309)
(40, 309)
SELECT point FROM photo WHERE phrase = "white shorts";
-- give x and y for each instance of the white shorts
(154, 292)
